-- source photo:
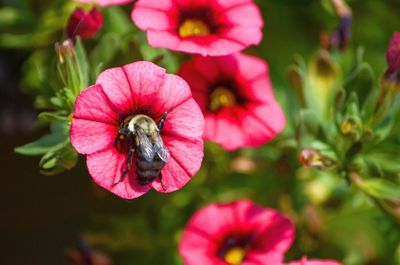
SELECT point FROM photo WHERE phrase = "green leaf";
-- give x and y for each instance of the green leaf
(116, 20)
(384, 128)
(59, 134)
(52, 116)
(104, 52)
(381, 188)
(42, 145)
(82, 65)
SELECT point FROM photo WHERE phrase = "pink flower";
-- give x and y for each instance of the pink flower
(393, 58)
(235, 94)
(100, 129)
(236, 233)
(84, 24)
(106, 2)
(212, 27)
(305, 261)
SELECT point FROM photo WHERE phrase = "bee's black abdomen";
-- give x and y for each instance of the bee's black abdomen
(147, 171)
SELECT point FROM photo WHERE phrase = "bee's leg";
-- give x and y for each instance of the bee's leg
(163, 118)
(162, 184)
(128, 167)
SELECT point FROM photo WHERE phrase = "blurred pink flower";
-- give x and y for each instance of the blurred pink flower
(236, 233)
(137, 88)
(84, 24)
(393, 56)
(305, 261)
(212, 27)
(235, 94)
(107, 2)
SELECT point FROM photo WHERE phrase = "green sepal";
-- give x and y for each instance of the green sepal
(56, 161)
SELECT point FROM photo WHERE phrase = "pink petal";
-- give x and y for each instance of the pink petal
(274, 236)
(205, 45)
(232, 3)
(250, 67)
(106, 168)
(258, 89)
(92, 104)
(186, 158)
(106, 2)
(165, 5)
(90, 136)
(185, 121)
(173, 92)
(94, 124)
(145, 80)
(115, 85)
(228, 130)
(147, 17)
(246, 14)
(212, 221)
(272, 116)
(207, 67)
(305, 261)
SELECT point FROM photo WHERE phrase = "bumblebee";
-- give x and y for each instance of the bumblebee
(141, 135)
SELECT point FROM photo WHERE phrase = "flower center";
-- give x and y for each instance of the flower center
(221, 97)
(235, 255)
(233, 249)
(193, 27)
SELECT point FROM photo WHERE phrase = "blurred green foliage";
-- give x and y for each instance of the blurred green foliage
(338, 215)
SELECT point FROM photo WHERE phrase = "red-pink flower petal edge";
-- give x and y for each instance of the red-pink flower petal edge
(137, 88)
(254, 119)
(107, 2)
(263, 233)
(231, 26)
(305, 261)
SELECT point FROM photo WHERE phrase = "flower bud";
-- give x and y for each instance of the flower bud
(340, 38)
(390, 83)
(65, 50)
(311, 158)
(84, 24)
(391, 79)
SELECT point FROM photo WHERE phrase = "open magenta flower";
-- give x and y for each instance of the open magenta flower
(236, 233)
(84, 24)
(213, 27)
(117, 123)
(107, 2)
(235, 94)
(305, 261)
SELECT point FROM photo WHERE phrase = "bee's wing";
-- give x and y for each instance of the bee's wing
(160, 149)
(145, 145)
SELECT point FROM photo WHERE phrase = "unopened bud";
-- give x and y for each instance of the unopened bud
(311, 158)
(244, 165)
(350, 127)
(65, 50)
(392, 74)
(390, 83)
(340, 38)
(84, 24)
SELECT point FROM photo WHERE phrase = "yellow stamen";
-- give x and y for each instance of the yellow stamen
(221, 97)
(193, 27)
(235, 255)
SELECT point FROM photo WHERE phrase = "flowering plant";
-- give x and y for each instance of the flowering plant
(190, 132)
